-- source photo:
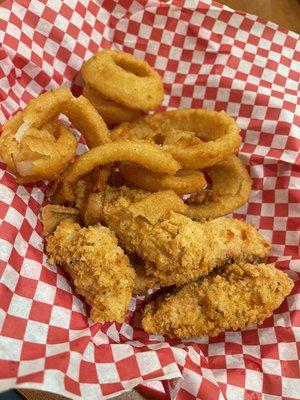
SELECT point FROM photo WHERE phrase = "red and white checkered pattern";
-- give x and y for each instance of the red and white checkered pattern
(209, 56)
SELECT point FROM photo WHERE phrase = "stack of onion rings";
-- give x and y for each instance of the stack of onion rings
(163, 151)
(146, 154)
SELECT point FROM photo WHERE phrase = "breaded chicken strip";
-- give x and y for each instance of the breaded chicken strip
(241, 296)
(100, 270)
(176, 249)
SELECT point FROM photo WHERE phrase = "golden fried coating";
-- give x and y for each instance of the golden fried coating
(124, 79)
(100, 270)
(112, 113)
(53, 214)
(47, 106)
(241, 296)
(34, 144)
(35, 154)
(86, 119)
(146, 154)
(143, 281)
(175, 249)
(93, 210)
(95, 181)
(231, 186)
(8, 143)
(196, 138)
(185, 181)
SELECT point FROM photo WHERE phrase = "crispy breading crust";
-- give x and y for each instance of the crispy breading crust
(143, 282)
(176, 249)
(242, 296)
(100, 270)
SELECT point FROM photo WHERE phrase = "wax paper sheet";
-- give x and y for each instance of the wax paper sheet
(209, 56)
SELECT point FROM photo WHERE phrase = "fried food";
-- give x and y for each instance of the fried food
(147, 154)
(93, 211)
(161, 156)
(28, 140)
(231, 186)
(176, 249)
(46, 107)
(87, 120)
(36, 146)
(101, 176)
(37, 113)
(82, 189)
(100, 270)
(143, 281)
(124, 79)
(185, 181)
(93, 182)
(212, 136)
(111, 112)
(44, 156)
(53, 214)
(8, 143)
(37, 154)
(241, 296)
(156, 206)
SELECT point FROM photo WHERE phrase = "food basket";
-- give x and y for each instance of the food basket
(209, 57)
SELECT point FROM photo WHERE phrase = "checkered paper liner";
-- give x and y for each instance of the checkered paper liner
(209, 56)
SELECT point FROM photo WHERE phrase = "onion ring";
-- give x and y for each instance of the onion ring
(146, 154)
(34, 144)
(47, 106)
(41, 155)
(231, 186)
(87, 120)
(111, 112)
(185, 181)
(213, 136)
(124, 79)
(8, 143)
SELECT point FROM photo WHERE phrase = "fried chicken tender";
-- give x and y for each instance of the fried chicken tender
(241, 296)
(100, 270)
(176, 249)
